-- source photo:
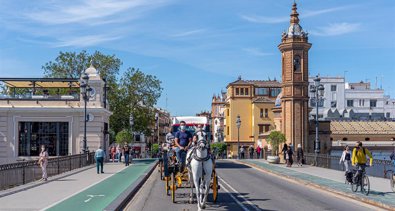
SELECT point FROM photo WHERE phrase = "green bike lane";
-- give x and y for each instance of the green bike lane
(100, 195)
(378, 198)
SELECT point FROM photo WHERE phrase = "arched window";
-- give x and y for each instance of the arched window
(297, 63)
(367, 139)
(345, 139)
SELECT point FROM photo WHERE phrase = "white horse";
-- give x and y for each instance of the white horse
(200, 169)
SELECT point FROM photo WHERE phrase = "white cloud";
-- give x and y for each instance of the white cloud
(83, 41)
(274, 20)
(188, 33)
(256, 52)
(92, 12)
(335, 29)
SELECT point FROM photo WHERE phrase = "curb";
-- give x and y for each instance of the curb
(320, 187)
(123, 199)
(37, 183)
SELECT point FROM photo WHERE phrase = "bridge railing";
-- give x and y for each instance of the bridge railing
(15, 174)
(332, 162)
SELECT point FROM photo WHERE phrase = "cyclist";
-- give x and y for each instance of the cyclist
(183, 140)
(359, 158)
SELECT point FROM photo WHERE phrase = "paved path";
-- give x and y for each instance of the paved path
(245, 188)
(86, 190)
(333, 180)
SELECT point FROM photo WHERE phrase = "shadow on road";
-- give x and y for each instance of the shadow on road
(230, 165)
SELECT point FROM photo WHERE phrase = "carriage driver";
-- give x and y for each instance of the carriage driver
(183, 141)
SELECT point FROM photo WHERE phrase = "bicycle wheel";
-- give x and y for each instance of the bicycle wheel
(392, 181)
(354, 184)
(365, 186)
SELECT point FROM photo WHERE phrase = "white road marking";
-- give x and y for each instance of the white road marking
(235, 199)
(238, 194)
(92, 196)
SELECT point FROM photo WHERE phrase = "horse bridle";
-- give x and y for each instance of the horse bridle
(194, 156)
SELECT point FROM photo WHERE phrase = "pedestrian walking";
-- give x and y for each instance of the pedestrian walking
(126, 153)
(251, 151)
(118, 153)
(113, 153)
(300, 155)
(258, 152)
(346, 159)
(43, 162)
(284, 151)
(242, 152)
(289, 154)
(99, 157)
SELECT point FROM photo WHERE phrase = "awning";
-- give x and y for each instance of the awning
(41, 82)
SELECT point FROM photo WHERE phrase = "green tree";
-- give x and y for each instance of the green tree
(135, 93)
(124, 136)
(275, 138)
(139, 93)
(219, 147)
(155, 149)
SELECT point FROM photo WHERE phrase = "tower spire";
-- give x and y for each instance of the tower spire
(294, 29)
(294, 14)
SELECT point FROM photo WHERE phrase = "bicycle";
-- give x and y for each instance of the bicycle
(361, 180)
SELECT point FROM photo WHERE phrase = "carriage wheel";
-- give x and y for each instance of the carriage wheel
(179, 180)
(161, 171)
(167, 185)
(215, 187)
(173, 188)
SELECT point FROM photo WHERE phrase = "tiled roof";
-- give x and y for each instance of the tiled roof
(257, 83)
(363, 127)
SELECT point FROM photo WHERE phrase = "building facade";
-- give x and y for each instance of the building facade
(50, 112)
(252, 101)
(218, 106)
(357, 101)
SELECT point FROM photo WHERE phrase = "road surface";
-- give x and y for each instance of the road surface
(244, 188)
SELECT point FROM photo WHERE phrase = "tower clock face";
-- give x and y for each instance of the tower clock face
(296, 64)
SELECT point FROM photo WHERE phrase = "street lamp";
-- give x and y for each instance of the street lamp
(85, 92)
(157, 124)
(318, 91)
(131, 122)
(238, 124)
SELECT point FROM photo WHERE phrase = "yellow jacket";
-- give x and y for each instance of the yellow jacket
(359, 157)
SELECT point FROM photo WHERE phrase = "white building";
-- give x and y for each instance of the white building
(50, 112)
(352, 100)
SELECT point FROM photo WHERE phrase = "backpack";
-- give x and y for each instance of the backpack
(349, 176)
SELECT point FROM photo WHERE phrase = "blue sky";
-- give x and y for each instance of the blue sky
(197, 47)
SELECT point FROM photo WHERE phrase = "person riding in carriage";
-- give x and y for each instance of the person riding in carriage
(183, 141)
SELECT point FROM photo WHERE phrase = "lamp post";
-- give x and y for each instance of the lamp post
(131, 122)
(157, 124)
(318, 91)
(85, 90)
(238, 124)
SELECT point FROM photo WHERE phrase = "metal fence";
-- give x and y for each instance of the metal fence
(332, 162)
(15, 174)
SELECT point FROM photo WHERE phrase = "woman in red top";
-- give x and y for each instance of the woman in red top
(113, 152)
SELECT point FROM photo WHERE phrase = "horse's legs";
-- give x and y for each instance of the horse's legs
(208, 168)
(191, 184)
(197, 172)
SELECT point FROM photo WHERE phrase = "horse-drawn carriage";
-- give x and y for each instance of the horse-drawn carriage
(199, 173)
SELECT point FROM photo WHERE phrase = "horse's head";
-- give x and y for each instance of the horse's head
(202, 144)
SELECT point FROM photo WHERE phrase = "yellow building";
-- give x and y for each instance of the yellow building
(253, 100)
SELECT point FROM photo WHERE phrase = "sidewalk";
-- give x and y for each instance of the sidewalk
(332, 180)
(85, 190)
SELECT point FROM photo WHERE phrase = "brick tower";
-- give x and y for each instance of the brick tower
(294, 48)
